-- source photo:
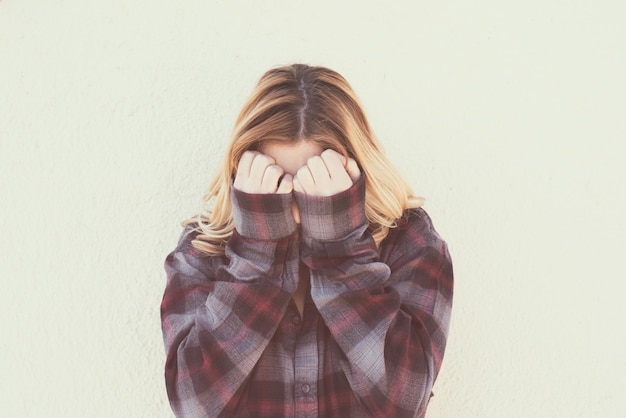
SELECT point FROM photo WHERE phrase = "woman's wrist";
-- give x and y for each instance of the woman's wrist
(328, 218)
(263, 216)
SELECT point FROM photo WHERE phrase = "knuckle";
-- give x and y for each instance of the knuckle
(274, 170)
(278, 168)
(247, 155)
(314, 159)
(264, 159)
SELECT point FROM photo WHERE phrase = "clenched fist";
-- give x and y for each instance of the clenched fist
(326, 174)
(259, 173)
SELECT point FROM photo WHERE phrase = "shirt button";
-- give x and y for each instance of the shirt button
(305, 388)
(296, 319)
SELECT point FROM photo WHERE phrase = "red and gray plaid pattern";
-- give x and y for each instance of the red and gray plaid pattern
(262, 216)
(370, 342)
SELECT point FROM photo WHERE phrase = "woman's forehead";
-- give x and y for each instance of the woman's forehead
(291, 157)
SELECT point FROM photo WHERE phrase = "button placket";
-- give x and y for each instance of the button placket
(306, 368)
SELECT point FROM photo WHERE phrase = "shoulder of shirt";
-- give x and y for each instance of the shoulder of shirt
(413, 234)
(416, 226)
(185, 244)
(416, 217)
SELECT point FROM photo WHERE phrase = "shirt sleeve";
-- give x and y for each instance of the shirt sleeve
(390, 319)
(219, 313)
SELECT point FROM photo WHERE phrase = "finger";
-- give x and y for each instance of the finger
(304, 181)
(243, 168)
(335, 164)
(271, 177)
(353, 169)
(258, 167)
(297, 186)
(286, 184)
(318, 170)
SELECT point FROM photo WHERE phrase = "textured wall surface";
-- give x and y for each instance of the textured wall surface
(508, 117)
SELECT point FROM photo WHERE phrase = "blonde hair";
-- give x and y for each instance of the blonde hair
(305, 103)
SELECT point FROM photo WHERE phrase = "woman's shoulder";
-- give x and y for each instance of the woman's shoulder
(187, 247)
(413, 231)
(417, 221)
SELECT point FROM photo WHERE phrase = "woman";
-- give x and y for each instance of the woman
(314, 285)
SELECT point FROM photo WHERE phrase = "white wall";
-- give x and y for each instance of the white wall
(508, 117)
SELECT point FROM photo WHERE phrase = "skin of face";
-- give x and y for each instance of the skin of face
(291, 158)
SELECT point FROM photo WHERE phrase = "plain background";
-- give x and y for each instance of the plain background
(509, 117)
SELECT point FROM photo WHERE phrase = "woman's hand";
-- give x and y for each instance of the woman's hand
(326, 174)
(258, 173)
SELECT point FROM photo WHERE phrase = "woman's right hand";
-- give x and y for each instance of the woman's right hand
(258, 173)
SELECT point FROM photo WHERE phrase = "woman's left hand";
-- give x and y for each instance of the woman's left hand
(326, 174)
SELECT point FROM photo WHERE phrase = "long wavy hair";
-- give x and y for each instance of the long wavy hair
(304, 103)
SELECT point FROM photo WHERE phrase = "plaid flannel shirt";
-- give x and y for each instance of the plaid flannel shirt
(372, 337)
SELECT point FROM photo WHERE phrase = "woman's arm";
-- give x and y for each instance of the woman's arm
(390, 320)
(219, 313)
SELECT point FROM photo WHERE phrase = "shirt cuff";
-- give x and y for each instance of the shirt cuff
(327, 218)
(262, 216)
